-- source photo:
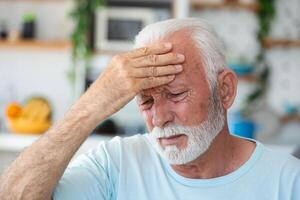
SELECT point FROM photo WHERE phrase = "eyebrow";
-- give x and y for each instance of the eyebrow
(140, 96)
(143, 94)
(176, 86)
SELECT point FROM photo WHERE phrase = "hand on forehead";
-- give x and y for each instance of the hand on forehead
(182, 44)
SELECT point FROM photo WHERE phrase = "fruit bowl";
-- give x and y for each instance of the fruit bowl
(32, 118)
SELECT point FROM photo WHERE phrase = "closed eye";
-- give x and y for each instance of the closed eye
(177, 96)
(147, 102)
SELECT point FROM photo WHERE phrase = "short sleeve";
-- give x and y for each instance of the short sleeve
(87, 178)
(296, 188)
(290, 179)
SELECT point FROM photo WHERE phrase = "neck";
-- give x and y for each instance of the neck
(226, 154)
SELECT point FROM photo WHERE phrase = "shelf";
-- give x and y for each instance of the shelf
(15, 143)
(252, 78)
(290, 118)
(10, 142)
(35, 44)
(271, 43)
(225, 5)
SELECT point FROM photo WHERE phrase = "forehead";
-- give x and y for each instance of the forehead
(193, 74)
(184, 44)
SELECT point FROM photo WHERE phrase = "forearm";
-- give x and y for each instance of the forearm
(34, 174)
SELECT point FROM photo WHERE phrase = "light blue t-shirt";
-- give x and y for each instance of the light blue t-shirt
(130, 168)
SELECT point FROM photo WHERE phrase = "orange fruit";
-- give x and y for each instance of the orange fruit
(13, 110)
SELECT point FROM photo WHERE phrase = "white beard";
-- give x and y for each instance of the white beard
(199, 137)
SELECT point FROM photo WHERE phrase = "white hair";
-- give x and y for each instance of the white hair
(210, 46)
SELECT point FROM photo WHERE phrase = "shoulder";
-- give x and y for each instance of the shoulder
(280, 159)
(287, 170)
(274, 164)
(274, 159)
(96, 172)
(109, 154)
(130, 144)
(119, 149)
(282, 165)
(276, 171)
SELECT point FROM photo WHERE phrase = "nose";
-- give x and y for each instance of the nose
(162, 114)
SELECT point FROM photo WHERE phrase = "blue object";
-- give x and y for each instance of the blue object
(290, 109)
(241, 69)
(240, 126)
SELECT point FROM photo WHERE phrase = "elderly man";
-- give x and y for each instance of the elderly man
(183, 90)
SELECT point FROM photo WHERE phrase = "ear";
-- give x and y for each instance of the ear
(227, 81)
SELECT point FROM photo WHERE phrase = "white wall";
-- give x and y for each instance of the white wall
(24, 73)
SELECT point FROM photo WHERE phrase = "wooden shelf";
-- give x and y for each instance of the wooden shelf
(290, 118)
(252, 78)
(10, 142)
(35, 44)
(227, 5)
(271, 43)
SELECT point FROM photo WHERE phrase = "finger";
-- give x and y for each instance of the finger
(157, 48)
(158, 60)
(152, 82)
(156, 71)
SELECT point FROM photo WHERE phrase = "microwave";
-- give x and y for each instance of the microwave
(116, 27)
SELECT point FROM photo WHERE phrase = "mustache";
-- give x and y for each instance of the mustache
(168, 131)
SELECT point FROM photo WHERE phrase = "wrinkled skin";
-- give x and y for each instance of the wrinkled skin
(184, 101)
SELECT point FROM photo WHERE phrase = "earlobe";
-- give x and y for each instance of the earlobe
(227, 80)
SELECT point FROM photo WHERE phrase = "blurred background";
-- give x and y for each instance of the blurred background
(52, 50)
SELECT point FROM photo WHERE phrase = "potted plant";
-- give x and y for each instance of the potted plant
(82, 15)
(28, 26)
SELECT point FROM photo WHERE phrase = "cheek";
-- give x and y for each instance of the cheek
(148, 118)
(191, 111)
(182, 111)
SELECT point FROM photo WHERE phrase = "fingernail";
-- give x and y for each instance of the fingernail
(180, 56)
(168, 45)
(178, 67)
